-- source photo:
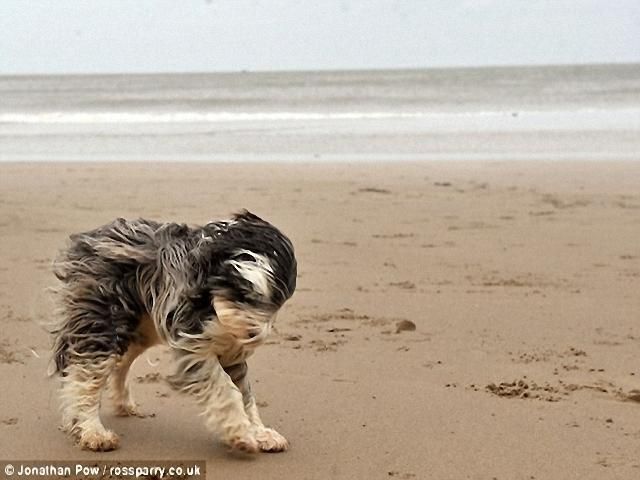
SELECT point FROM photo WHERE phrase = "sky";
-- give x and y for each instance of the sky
(113, 36)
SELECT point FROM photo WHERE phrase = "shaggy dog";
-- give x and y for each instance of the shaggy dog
(210, 293)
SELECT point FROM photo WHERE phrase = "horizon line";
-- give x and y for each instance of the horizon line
(320, 70)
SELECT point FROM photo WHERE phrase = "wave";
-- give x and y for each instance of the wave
(588, 118)
(215, 117)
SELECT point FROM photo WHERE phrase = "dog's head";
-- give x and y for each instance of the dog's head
(253, 273)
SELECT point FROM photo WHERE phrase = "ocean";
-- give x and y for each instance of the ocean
(502, 113)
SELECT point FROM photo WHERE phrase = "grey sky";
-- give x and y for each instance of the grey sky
(55, 36)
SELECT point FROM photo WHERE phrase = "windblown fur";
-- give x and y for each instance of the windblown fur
(210, 293)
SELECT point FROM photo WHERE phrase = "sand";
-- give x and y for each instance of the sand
(452, 320)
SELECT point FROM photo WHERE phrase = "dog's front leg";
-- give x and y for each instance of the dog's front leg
(268, 439)
(221, 398)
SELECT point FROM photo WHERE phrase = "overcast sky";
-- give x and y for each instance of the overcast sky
(88, 36)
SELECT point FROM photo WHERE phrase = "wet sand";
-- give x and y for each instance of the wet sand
(521, 279)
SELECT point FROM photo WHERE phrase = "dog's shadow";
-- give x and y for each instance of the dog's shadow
(172, 436)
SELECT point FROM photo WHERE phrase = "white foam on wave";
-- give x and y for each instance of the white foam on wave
(209, 117)
(213, 117)
(510, 120)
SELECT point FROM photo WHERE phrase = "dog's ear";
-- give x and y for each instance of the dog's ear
(254, 269)
(243, 275)
(244, 256)
(246, 216)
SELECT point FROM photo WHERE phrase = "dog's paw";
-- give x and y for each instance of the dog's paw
(271, 441)
(245, 444)
(104, 441)
(128, 410)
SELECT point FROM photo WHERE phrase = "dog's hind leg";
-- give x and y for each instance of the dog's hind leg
(81, 390)
(145, 337)
(123, 401)
(268, 439)
(223, 405)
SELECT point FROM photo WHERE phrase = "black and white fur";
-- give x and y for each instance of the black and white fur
(210, 293)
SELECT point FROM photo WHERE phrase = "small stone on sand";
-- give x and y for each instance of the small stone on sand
(405, 326)
(634, 395)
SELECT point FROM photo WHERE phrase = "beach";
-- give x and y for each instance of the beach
(521, 282)
(468, 262)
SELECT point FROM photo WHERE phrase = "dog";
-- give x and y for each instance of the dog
(209, 293)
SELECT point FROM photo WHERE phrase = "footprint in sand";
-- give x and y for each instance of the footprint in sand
(382, 191)
(333, 330)
(7, 355)
(405, 285)
(149, 378)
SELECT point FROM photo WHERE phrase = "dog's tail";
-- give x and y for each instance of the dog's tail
(121, 241)
(54, 326)
(88, 259)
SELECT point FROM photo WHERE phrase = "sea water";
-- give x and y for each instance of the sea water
(554, 112)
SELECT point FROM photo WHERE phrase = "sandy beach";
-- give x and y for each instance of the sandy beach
(521, 278)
